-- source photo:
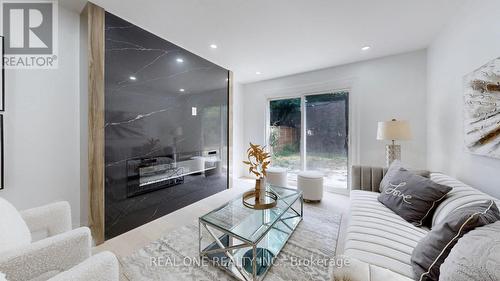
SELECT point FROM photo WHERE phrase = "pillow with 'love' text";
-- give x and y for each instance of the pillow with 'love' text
(411, 196)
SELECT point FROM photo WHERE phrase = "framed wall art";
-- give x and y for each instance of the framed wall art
(482, 110)
(2, 75)
(1, 154)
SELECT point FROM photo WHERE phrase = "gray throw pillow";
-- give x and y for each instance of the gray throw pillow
(411, 196)
(394, 168)
(475, 257)
(391, 171)
(435, 247)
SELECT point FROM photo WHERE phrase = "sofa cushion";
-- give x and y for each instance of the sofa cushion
(461, 195)
(475, 257)
(360, 271)
(379, 236)
(411, 196)
(13, 229)
(434, 248)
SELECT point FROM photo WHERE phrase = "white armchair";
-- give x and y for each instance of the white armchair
(51, 219)
(54, 256)
(100, 267)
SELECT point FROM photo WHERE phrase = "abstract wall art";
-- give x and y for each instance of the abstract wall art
(482, 110)
(2, 76)
(1, 154)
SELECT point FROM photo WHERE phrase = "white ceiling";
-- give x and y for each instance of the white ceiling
(282, 37)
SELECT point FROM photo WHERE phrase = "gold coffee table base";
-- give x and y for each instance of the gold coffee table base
(259, 205)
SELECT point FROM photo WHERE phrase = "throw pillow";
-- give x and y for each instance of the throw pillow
(411, 196)
(435, 247)
(13, 230)
(394, 168)
(475, 257)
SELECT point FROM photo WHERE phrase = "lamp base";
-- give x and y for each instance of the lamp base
(392, 152)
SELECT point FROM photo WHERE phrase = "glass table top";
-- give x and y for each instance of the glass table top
(250, 224)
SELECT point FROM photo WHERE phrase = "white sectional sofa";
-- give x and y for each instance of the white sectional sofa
(381, 239)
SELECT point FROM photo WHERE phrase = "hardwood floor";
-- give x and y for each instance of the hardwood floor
(129, 242)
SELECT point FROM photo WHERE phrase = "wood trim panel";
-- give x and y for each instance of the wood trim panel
(95, 20)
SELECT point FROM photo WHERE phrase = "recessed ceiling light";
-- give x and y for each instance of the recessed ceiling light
(180, 60)
(213, 46)
(258, 73)
(366, 48)
(182, 90)
(133, 78)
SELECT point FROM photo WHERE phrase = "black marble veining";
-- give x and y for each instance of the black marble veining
(166, 114)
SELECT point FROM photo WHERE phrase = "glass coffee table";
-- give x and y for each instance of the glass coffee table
(244, 242)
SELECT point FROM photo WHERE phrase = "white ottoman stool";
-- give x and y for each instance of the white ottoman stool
(311, 185)
(197, 164)
(277, 176)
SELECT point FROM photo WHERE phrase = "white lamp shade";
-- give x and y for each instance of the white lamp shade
(394, 130)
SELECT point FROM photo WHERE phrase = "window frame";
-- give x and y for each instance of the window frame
(302, 95)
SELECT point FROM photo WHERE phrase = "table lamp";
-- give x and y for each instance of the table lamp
(393, 130)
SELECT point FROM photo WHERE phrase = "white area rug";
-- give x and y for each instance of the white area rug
(314, 239)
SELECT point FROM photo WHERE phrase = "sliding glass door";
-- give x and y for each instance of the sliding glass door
(310, 132)
(285, 134)
(326, 141)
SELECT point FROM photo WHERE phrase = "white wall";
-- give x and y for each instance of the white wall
(238, 131)
(42, 128)
(467, 43)
(380, 89)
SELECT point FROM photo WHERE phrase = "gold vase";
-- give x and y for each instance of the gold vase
(256, 199)
(258, 188)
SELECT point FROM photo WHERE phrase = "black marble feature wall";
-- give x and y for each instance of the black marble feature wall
(166, 131)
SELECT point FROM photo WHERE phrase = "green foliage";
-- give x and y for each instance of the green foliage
(274, 137)
(342, 95)
(285, 112)
(288, 150)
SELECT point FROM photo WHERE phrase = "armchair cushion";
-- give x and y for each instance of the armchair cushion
(51, 219)
(13, 230)
(47, 257)
(101, 267)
